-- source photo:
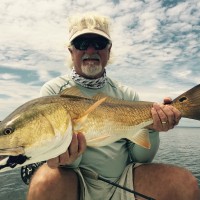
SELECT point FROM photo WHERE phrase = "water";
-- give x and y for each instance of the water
(180, 146)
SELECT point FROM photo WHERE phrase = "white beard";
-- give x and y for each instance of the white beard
(91, 69)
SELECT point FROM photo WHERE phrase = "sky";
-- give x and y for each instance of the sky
(156, 48)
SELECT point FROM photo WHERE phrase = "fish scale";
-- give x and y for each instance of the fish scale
(42, 128)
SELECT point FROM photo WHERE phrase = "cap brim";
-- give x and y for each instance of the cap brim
(88, 31)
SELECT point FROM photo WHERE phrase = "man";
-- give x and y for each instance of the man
(71, 175)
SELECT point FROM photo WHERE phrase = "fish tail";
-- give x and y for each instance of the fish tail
(189, 103)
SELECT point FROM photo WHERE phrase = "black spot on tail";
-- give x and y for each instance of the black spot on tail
(182, 99)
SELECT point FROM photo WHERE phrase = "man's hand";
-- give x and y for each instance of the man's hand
(76, 148)
(165, 116)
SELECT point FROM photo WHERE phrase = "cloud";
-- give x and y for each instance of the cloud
(7, 76)
(155, 45)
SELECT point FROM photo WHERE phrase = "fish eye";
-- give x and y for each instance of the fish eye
(8, 131)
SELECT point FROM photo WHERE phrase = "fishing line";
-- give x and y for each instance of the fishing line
(99, 177)
(124, 188)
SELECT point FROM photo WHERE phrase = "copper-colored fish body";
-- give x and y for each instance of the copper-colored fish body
(42, 128)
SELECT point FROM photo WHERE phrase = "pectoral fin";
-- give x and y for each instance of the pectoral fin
(80, 120)
(141, 138)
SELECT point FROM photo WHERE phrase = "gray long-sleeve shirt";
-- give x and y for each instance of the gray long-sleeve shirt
(108, 161)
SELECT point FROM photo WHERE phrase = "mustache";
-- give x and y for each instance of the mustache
(93, 56)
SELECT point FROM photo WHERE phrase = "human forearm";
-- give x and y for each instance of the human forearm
(140, 154)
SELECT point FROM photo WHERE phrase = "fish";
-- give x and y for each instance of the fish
(42, 128)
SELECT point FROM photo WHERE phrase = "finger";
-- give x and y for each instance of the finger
(76, 148)
(81, 143)
(71, 154)
(67, 157)
(167, 100)
(156, 119)
(64, 158)
(177, 115)
(162, 118)
(53, 163)
(167, 109)
(73, 148)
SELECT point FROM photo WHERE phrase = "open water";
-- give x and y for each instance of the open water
(180, 146)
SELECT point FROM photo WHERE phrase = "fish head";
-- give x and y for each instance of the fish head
(13, 140)
(32, 135)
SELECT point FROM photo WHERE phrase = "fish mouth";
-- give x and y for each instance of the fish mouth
(4, 161)
(2, 158)
(12, 161)
(12, 157)
(6, 153)
(11, 151)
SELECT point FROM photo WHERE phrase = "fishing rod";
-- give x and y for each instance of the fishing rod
(99, 177)
(124, 188)
(27, 172)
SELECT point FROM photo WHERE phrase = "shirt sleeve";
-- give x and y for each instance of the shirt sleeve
(47, 90)
(143, 155)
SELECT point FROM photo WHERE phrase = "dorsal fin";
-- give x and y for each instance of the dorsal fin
(108, 99)
(72, 91)
(81, 119)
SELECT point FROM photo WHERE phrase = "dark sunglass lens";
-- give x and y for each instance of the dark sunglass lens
(84, 45)
(81, 43)
(98, 43)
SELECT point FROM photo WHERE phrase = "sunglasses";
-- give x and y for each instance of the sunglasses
(98, 43)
